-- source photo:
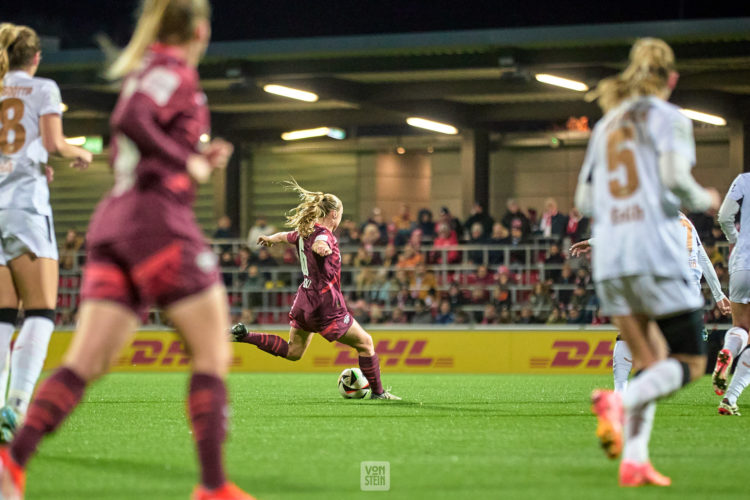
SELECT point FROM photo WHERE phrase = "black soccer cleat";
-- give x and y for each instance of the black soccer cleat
(238, 332)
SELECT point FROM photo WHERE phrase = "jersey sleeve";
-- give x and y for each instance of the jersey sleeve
(51, 100)
(737, 189)
(292, 237)
(673, 133)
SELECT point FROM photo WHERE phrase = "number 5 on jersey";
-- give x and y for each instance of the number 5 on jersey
(619, 155)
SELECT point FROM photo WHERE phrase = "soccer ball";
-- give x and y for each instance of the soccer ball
(353, 384)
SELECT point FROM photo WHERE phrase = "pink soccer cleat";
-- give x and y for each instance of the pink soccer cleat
(228, 491)
(719, 377)
(607, 406)
(637, 474)
(12, 477)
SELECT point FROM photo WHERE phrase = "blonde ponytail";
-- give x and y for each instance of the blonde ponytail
(651, 61)
(144, 35)
(18, 46)
(314, 206)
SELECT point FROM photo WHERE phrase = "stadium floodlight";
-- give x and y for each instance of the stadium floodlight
(443, 128)
(704, 117)
(334, 133)
(561, 82)
(301, 95)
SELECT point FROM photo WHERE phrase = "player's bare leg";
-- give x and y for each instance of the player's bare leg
(8, 316)
(201, 320)
(734, 341)
(103, 329)
(369, 362)
(36, 281)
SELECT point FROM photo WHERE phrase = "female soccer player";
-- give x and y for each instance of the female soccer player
(144, 245)
(700, 265)
(319, 305)
(739, 294)
(30, 129)
(635, 173)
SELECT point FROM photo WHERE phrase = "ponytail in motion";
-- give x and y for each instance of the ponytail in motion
(166, 21)
(651, 62)
(313, 206)
(18, 46)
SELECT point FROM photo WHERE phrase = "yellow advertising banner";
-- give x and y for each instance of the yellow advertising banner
(400, 351)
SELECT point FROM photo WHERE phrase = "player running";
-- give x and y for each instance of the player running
(319, 305)
(700, 264)
(145, 247)
(635, 173)
(739, 293)
(30, 130)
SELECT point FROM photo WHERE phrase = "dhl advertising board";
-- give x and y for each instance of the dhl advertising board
(407, 351)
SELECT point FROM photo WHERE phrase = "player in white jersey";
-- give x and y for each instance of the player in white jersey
(635, 174)
(30, 129)
(701, 266)
(739, 293)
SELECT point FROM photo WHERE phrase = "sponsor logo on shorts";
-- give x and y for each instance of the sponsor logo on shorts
(206, 261)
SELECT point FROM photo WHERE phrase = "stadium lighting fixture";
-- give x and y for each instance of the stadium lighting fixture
(334, 133)
(301, 95)
(561, 82)
(76, 141)
(443, 128)
(704, 117)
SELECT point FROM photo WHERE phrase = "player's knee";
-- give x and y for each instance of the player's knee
(293, 356)
(365, 345)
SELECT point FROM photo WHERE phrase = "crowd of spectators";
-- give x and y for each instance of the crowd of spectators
(431, 268)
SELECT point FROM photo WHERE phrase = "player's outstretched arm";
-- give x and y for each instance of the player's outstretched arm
(581, 248)
(269, 241)
(713, 281)
(321, 248)
(53, 140)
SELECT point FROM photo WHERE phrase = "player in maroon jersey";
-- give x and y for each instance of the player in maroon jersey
(319, 305)
(144, 246)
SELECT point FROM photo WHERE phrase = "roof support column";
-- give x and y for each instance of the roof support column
(475, 169)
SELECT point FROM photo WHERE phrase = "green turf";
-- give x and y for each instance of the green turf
(453, 436)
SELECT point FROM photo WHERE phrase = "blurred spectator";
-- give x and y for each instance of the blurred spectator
(243, 262)
(583, 277)
(398, 316)
(446, 238)
(365, 282)
(71, 247)
(557, 317)
(376, 218)
(499, 236)
(422, 282)
(365, 257)
(517, 239)
(462, 317)
(490, 316)
(500, 295)
(514, 213)
(422, 315)
(554, 258)
(599, 318)
(580, 298)
(479, 215)
(371, 235)
(506, 317)
(247, 316)
(252, 286)
(404, 223)
(410, 259)
(526, 317)
(260, 228)
(480, 277)
(224, 229)
(348, 233)
(552, 224)
(446, 217)
(227, 265)
(360, 312)
(577, 227)
(721, 273)
(477, 237)
(425, 224)
(703, 224)
(390, 256)
(566, 278)
(265, 260)
(377, 316)
(445, 315)
(575, 316)
(455, 296)
(716, 233)
(540, 302)
(347, 274)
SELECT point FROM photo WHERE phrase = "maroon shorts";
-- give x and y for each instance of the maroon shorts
(151, 270)
(316, 315)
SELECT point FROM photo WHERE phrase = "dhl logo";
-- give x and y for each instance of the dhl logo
(399, 352)
(577, 354)
(158, 353)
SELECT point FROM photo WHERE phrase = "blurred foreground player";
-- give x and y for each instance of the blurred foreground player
(635, 174)
(144, 245)
(319, 305)
(30, 130)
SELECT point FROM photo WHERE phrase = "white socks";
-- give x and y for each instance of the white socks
(638, 425)
(622, 362)
(734, 340)
(27, 360)
(662, 379)
(6, 334)
(741, 377)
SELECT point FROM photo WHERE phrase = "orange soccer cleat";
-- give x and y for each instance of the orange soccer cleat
(637, 474)
(228, 491)
(12, 477)
(607, 406)
(719, 377)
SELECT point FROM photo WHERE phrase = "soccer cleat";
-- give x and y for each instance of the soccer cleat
(607, 406)
(228, 491)
(8, 424)
(727, 409)
(12, 477)
(719, 377)
(385, 395)
(239, 331)
(635, 474)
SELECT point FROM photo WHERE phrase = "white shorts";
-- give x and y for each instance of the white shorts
(26, 232)
(652, 296)
(739, 286)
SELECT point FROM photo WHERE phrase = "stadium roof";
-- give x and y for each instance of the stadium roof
(484, 79)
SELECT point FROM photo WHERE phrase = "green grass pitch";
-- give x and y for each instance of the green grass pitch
(453, 436)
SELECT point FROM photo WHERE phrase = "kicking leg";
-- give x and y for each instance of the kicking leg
(740, 380)
(292, 350)
(369, 362)
(622, 362)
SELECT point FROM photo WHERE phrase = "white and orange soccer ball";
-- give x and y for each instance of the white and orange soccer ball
(353, 384)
